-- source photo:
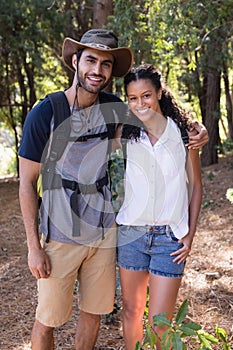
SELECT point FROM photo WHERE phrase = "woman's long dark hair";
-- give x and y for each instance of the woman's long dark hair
(132, 126)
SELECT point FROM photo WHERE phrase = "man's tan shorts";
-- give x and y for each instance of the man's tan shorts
(93, 267)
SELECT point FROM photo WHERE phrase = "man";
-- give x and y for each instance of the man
(74, 218)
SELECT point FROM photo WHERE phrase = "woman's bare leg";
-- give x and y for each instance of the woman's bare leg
(134, 291)
(163, 295)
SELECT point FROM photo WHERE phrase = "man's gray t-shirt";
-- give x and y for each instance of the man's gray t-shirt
(83, 162)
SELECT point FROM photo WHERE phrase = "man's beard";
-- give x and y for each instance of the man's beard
(92, 89)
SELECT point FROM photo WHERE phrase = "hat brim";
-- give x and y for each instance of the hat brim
(123, 56)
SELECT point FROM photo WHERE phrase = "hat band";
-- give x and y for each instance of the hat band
(99, 46)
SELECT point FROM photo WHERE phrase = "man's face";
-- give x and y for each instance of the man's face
(95, 70)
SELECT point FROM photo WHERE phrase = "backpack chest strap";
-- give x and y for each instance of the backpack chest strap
(57, 183)
(84, 138)
(83, 188)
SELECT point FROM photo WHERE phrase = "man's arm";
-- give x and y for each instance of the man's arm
(38, 261)
(200, 139)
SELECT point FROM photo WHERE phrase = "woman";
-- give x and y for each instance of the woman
(158, 218)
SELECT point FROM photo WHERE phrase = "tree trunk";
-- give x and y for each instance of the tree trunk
(30, 77)
(16, 148)
(102, 9)
(229, 107)
(23, 94)
(211, 117)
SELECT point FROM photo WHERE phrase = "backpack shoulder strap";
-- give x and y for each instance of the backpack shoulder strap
(108, 104)
(61, 131)
(61, 112)
(106, 97)
(60, 107)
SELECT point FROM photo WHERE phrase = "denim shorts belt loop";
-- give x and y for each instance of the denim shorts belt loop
(159, 229)
(148, 248)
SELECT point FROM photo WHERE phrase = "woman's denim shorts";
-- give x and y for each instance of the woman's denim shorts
(148, 248)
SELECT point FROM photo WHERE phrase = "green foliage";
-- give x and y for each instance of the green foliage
(180, 37)
(210, 176)
(222, 336)
(150, 337)
(11, 167)
(180, 333)
(227, 145)
(117, 179)
(7, 152)
(177, 36)
(207, 203)
(131, 23)
(32, 33)
(110, 317)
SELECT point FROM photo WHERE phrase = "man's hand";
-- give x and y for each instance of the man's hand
(39, 263)
(200, 139)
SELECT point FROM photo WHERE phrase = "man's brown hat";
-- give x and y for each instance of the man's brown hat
(101, 40)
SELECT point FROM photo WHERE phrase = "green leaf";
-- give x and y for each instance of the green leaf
(138, 346)
(226, 347)
(182, 312)
(192, 65)
(193, 325)
(161, 320)
(150, 337)
(211, 338)
(221, 333)
(204, 342)
(166, 338)
(222, 336)
(186, 331)
(176, 342)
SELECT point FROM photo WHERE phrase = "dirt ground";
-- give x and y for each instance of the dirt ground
(208, 281)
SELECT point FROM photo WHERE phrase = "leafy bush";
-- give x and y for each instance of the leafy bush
(227, 145)
(117, 179)
(180, 333)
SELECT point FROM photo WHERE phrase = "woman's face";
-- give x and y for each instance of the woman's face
(143, 99)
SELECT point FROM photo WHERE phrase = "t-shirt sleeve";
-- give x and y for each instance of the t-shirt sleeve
(36, 131)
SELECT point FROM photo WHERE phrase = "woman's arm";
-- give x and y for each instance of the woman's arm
(195, 190)
(195, 198)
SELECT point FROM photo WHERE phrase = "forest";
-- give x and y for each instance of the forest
(189, 41)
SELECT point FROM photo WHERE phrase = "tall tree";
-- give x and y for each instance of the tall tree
(32, 32)
(229, 103)
(198, 34)
(28, 28)
(101, 12)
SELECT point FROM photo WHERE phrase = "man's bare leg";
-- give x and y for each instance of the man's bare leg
(87, 331)
(42, 337)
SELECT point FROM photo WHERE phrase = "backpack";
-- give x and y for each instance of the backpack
(60, 138)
